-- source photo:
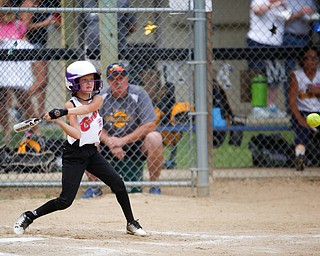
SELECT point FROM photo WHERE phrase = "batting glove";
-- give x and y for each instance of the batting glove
(56, 113)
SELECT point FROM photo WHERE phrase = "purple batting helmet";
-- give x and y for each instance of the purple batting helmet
(79, 69)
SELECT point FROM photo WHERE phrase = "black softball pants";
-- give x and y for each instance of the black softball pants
(75, 160)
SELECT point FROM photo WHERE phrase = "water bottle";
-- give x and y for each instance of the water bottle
(259, 91)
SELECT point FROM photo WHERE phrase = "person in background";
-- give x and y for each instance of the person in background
(267, 24)
(16, 76)
(135, 135)
(297, 32)
(126, 22)
(142, 67)
(304, 94)
(37, 25)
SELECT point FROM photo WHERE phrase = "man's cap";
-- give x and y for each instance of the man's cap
(115, 69)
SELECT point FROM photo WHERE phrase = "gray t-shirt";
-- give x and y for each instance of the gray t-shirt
(300, 26)
(122, 116)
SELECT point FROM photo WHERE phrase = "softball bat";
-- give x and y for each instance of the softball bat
(26, 125)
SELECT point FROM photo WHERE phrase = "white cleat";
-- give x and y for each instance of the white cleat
(134, 228)
(21, 224)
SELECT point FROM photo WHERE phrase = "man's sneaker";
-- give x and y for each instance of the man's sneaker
(92, 193)
(21, 224)
(300, 162)
(134, 228)
(170, 164)
(155, 190)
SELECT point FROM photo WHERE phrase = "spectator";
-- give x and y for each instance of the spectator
(37, 24)
(304, 94)
(16, 76)
(127, 24)
(80, 151)
(142, 68)
(138, 132)
(133, 136)
(297, 31)
(267, 23)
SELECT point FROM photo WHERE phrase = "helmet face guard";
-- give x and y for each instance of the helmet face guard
(98, 84)
(79, 69)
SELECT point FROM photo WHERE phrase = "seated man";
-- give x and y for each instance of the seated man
(304, 94)
(129, 124)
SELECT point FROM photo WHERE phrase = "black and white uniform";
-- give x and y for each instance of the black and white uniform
(81, 155)
(306, 106)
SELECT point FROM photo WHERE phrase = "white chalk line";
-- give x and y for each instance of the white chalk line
(19, 239)
(8, 254)
(195, 235)
(200, 239)
(95, 249)
(203, 235)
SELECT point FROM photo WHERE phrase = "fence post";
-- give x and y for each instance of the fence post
(210, 76)
(108, 35)
(201, 98)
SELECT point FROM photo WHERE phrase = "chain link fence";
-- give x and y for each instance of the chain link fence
(256, 46)
(249, 121)
(154, 45)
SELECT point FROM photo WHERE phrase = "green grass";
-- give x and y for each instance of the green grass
(225, 156)
(55, 133)
(47, 132)
(186, 153)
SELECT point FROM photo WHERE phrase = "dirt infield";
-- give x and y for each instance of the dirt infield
(241, 217)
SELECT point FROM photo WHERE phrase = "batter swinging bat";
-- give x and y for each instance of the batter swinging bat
(26, 125)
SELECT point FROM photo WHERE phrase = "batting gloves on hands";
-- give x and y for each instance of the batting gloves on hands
(56, 113)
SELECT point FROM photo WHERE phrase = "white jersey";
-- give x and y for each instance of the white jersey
(307, 104)
(300, 26)
(16, 74)
(261, 25)
(90, 124)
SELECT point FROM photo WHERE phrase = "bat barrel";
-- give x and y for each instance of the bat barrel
(25, 125)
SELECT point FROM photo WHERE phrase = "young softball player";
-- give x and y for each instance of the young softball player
(80, 150)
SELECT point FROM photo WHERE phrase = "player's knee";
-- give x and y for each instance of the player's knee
(118, 187)
(62, 204)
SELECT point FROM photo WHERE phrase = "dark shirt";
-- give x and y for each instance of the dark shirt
(39, 36)
(125, 23)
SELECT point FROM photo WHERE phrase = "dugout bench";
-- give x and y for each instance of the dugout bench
(250, 124)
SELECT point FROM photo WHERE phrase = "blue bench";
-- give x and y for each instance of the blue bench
(185, 128)
(254, 128)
